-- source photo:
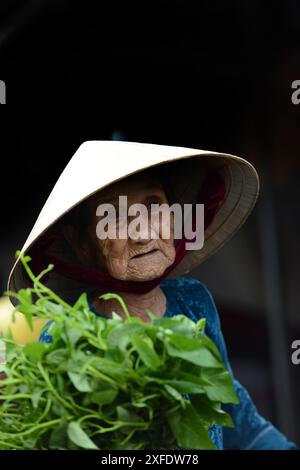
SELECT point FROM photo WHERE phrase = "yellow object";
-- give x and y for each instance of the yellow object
(20, 328)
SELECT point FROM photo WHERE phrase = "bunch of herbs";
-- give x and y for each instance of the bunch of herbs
(109, 383)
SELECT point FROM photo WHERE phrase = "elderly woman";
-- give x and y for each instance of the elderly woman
(146, 268)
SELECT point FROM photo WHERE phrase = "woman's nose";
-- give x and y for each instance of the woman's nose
(141, 232)
(141, 236)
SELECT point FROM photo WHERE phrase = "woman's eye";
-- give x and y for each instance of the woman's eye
(154, 201)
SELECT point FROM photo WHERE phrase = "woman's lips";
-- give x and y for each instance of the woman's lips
(143, 255)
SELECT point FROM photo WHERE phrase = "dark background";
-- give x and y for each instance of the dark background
(214, 75)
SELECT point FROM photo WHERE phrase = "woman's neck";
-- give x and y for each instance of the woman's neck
(155, 300)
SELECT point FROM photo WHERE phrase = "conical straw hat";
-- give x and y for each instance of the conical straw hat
(97, 164)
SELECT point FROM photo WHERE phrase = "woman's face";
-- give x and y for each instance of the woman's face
(140, 256)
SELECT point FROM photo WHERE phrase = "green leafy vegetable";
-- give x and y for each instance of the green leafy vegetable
(109, 383)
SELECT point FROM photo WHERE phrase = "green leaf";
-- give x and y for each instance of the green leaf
(74, 334)
(221, 388)
(201, 324)
(59, 437)
(35, 351)
(121, 335)
(79, 437)
(35, 396)
(57, 356)
(211, 411)
(25, 306)
(51, 307)
(144, 347)
(174, 393)
(108, 367)
(58, 409)
(184, 383)
(190, 431)
(190, 349)
(30, 442)
(178, 324)
(80, 382)
(127, 415)
(81, 302)
(101, 397)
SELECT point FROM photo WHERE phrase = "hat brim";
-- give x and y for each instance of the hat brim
(123, 159)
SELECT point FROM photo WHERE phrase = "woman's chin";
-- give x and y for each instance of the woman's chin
(138, 277)
(141, 270)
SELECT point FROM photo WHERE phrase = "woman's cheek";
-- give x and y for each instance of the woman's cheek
(109, 247)
(118, 267)
(116, 256)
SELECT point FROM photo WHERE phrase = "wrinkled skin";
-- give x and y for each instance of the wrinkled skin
(118, 256)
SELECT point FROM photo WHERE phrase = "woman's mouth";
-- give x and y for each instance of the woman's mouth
(143, 255)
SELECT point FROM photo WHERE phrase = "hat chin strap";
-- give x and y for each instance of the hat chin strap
(211, 194)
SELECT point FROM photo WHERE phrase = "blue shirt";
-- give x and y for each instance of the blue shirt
(191, 297)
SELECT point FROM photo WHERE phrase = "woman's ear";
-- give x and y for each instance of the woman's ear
(81, 248)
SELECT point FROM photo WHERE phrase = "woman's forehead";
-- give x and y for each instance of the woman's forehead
(133, 184)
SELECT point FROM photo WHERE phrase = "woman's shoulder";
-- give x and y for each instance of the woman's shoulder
(194, 296)
(180, 281)
(188, 286)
